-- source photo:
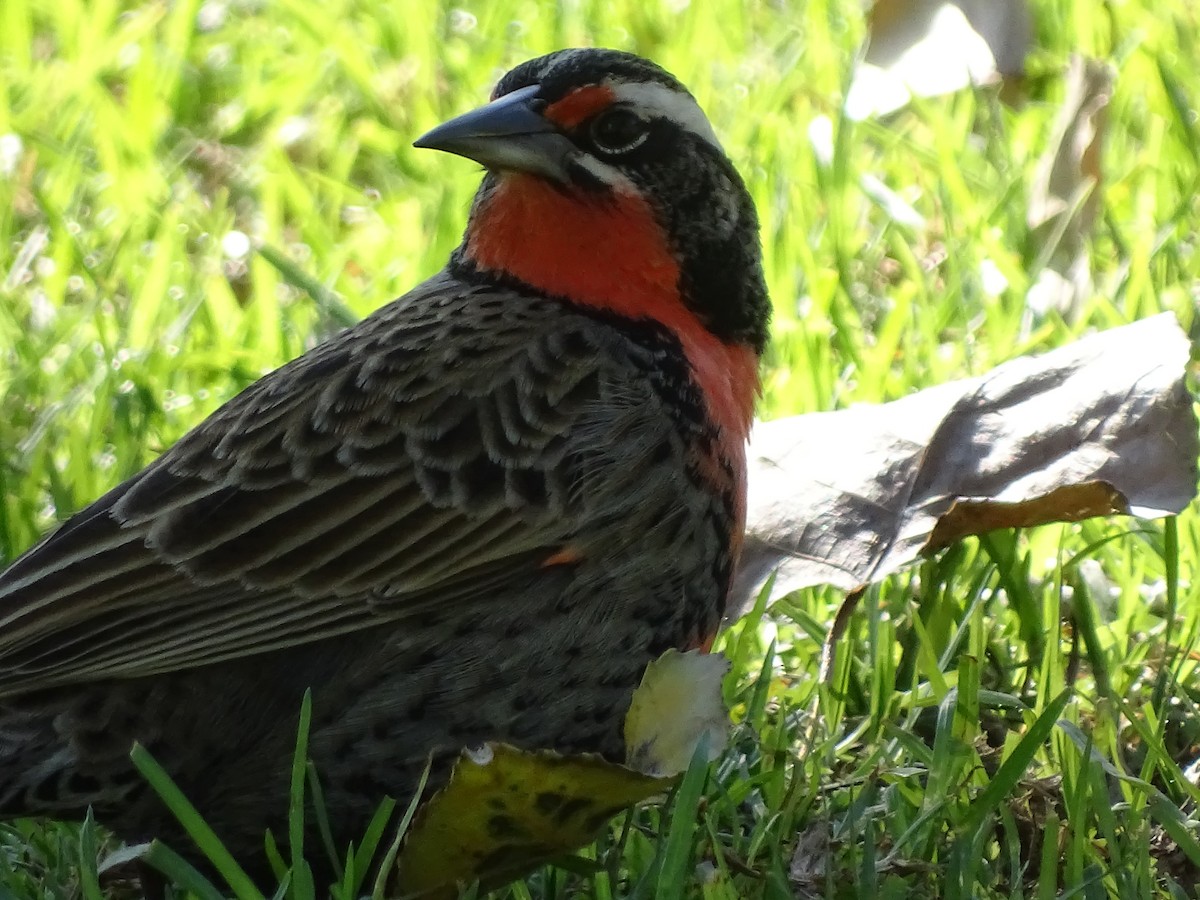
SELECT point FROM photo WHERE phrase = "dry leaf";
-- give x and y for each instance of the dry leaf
(809, 869)
(931, 47)
(505, 811)
(1100, 426)
(1065, 196)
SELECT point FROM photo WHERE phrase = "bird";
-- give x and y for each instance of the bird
(476, 515)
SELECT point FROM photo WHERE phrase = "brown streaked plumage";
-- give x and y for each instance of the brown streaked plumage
(477, 515)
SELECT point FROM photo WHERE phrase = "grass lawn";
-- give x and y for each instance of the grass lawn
(962, 750)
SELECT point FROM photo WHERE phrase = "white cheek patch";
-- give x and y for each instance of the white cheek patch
(658, 100)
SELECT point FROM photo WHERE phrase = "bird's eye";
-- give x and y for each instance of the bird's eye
(618, 130)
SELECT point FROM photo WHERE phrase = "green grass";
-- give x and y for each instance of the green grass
(1009, 720)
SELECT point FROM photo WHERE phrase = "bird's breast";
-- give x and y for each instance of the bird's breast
(611, 254)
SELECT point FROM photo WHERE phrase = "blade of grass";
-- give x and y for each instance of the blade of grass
(965, 856)
(328, 302)
(181, 872)
(89, 879)
(389, 858)
(361, 859)
(302, 879)
(678, 848)
(198, 830)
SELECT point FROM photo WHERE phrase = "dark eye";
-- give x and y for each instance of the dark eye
(618, 131)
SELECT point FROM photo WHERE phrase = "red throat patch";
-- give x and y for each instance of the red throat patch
(613, 255)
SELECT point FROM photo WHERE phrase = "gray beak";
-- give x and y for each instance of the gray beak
(507, 134)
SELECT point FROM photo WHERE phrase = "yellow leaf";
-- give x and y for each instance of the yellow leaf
(678, 702)
(505, 811)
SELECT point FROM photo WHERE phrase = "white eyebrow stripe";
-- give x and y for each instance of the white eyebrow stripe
(660, 100)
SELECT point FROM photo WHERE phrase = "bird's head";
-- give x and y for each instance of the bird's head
(607, 186)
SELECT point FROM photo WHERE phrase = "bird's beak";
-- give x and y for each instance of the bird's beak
(508, 133)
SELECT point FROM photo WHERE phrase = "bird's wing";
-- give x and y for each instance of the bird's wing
(429, 454)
